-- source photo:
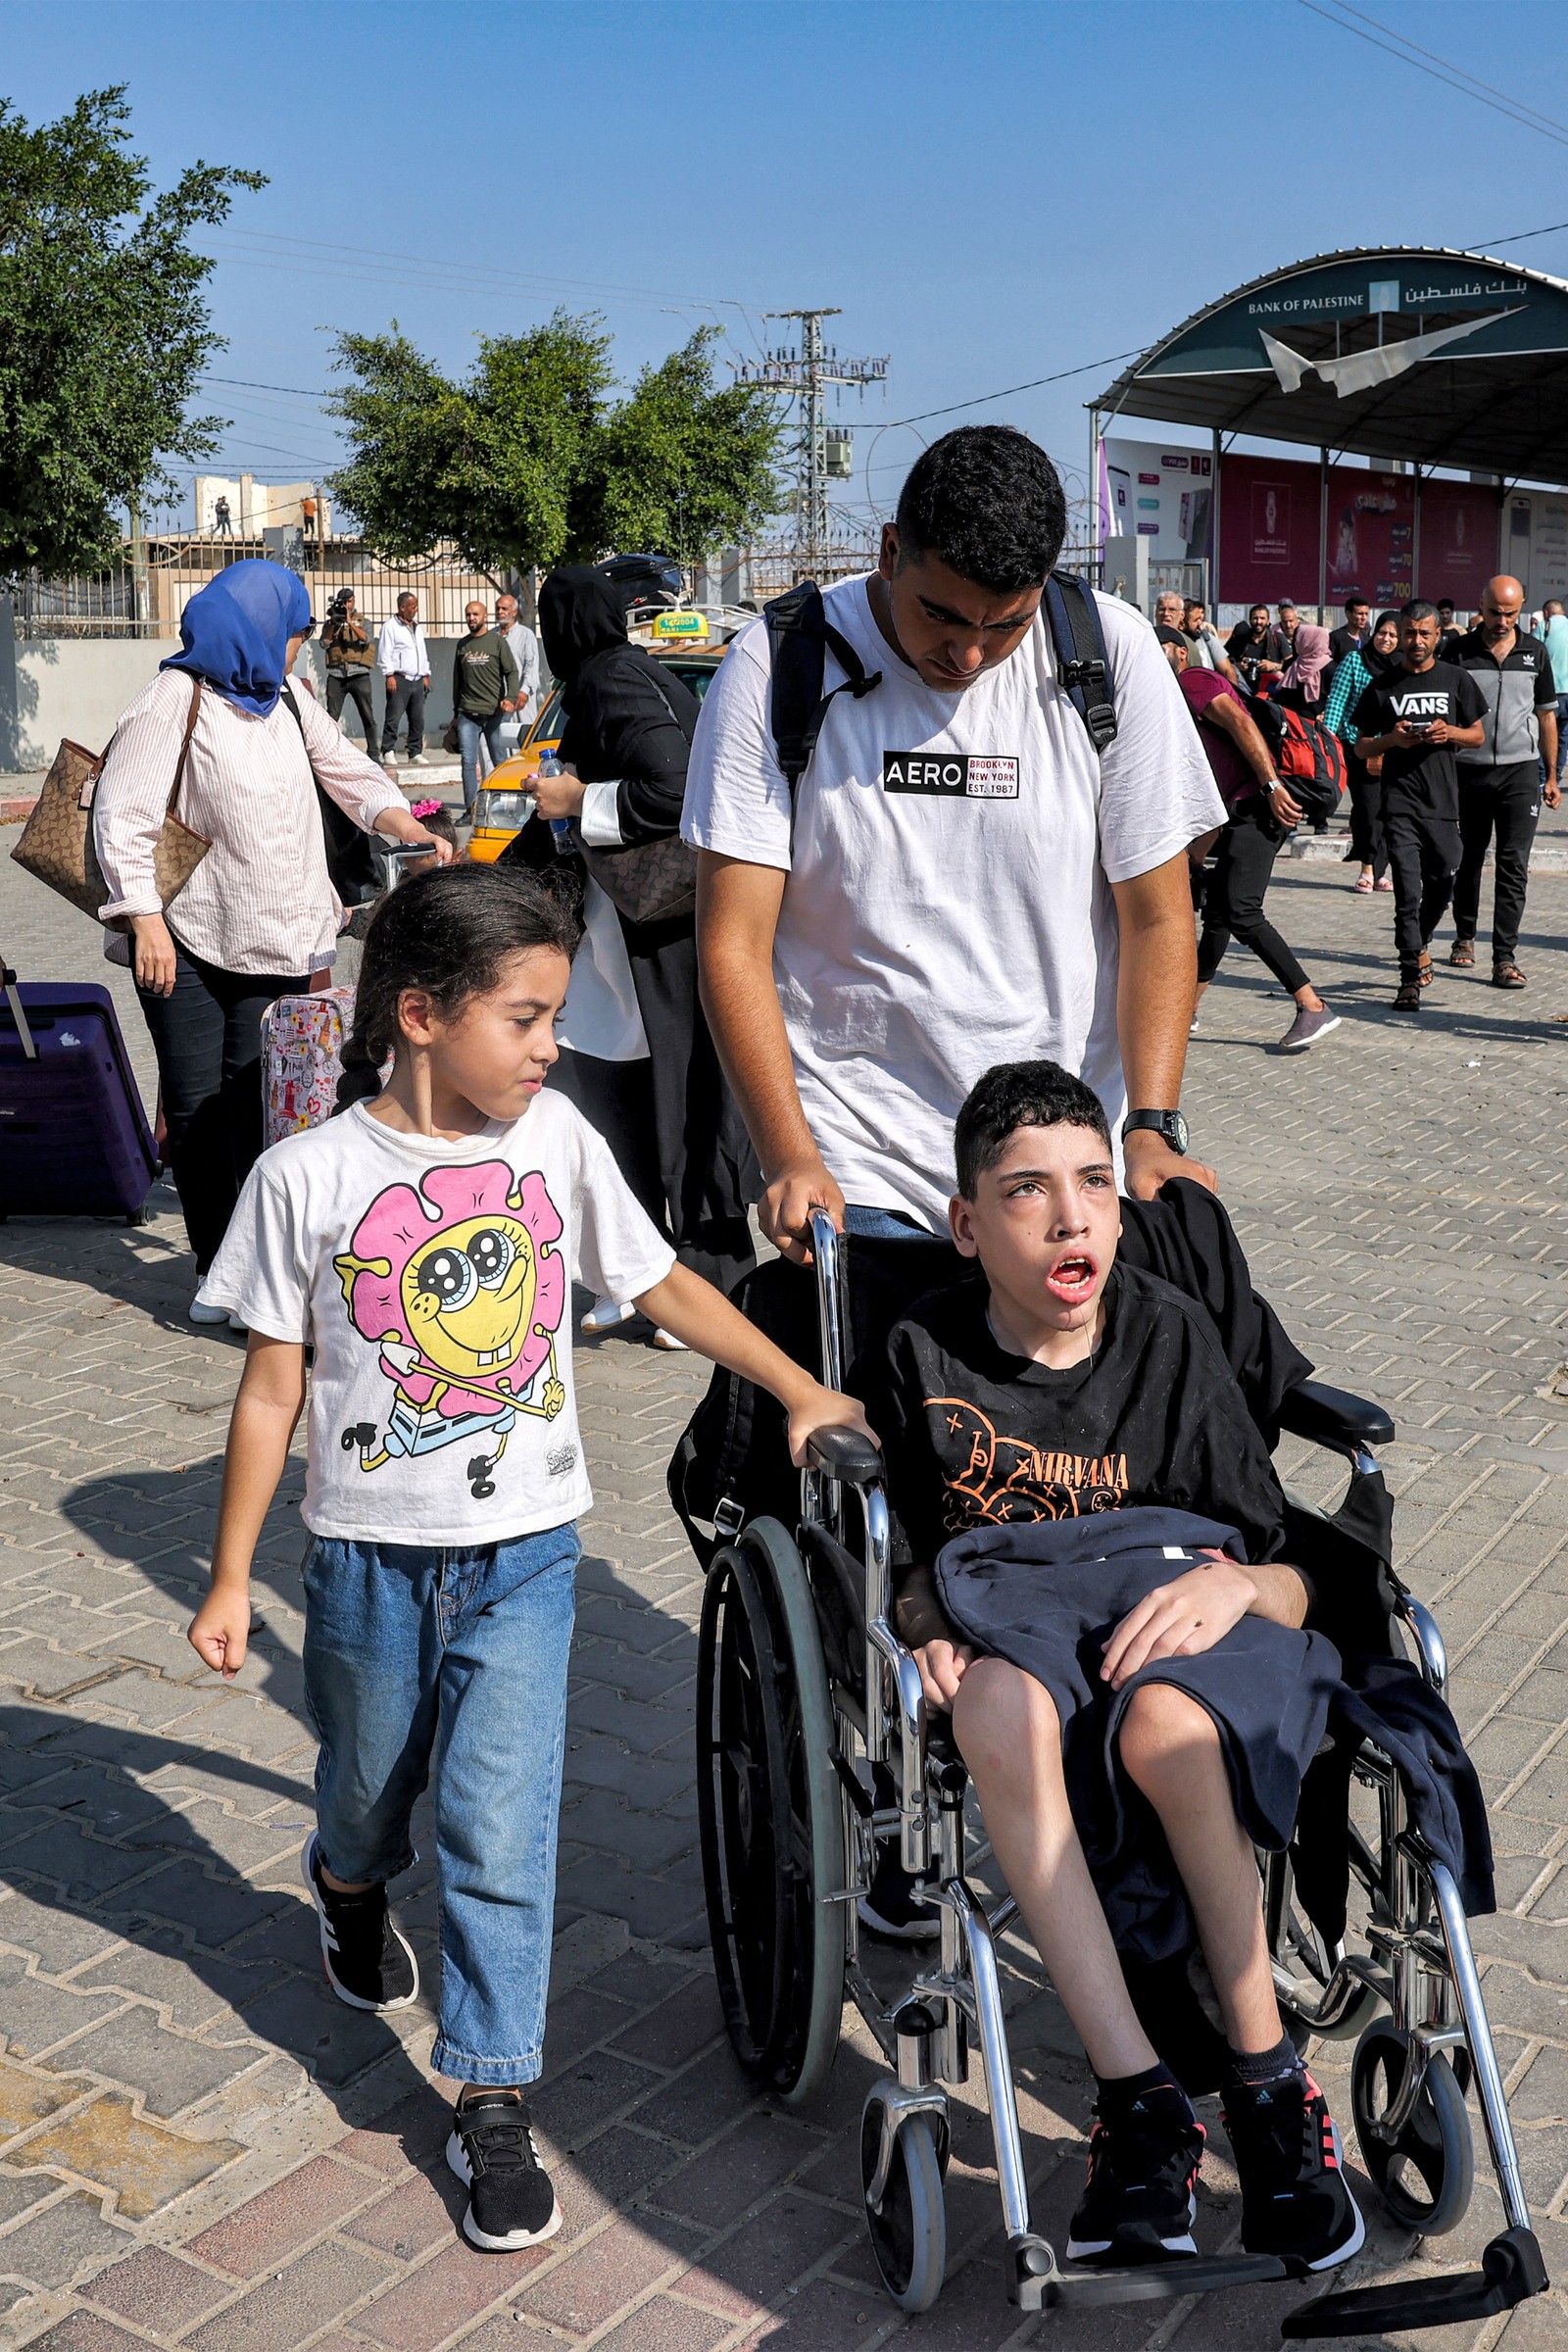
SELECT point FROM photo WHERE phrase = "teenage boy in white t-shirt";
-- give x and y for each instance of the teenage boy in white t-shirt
(961, 880)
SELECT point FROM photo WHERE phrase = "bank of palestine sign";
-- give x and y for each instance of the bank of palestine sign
(1354, 325)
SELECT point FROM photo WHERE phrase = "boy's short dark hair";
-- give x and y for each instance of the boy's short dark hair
(1013, 1095)
(988, 502)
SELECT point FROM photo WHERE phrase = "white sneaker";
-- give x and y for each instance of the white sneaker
(418, 760)
(604, 1314)
(667, 1339)
(200, 1311)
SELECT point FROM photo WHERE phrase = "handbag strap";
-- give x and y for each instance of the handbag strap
(184, 748)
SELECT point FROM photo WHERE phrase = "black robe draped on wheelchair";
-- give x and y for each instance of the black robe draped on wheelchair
(816, 1757)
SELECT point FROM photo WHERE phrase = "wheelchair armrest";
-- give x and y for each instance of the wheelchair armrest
(845, 1453)
(1333, 1416)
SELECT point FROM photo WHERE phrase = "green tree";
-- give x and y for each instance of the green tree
(104, 331)
(530, 459)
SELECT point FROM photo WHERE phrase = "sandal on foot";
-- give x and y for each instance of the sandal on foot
(1408, 998)
(1508, 975)
(1363, 886)
(1385, 884)
(1426, 969)
(1462, 954)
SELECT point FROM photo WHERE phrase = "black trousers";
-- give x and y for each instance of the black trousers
(1243, 860)
(208, 1040)
(617, 1098)
(1504, 800)
(1423, 855)
(407, 694)
(353, 686)
(1366, 815)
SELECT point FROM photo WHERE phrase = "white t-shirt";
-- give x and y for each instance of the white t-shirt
(434, 1281)
(949, 899)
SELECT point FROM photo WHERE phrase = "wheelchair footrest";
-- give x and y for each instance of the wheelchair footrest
(1511, 2271)
(1035, 2282)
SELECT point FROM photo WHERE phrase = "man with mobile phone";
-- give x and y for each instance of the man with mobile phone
(1416, 717)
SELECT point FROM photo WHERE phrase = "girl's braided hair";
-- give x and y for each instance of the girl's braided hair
(446, 932)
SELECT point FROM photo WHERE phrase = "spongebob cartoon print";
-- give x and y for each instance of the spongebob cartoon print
(462, 1286)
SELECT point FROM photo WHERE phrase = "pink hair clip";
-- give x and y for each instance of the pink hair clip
(425, 808)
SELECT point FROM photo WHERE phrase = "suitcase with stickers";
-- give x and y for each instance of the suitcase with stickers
(302, 1059)
(74, 1137)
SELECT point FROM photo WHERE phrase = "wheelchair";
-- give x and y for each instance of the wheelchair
(816, 1755)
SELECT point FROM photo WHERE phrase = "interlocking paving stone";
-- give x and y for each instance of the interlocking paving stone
(145, 2164)
(1399, 1207)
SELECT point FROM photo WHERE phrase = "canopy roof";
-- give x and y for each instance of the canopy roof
(1414, 352)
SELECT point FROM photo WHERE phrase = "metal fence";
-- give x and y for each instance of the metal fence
(145, 592)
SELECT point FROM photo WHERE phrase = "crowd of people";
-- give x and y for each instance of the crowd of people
(1452, 740)
(495, 679)
(935, 978)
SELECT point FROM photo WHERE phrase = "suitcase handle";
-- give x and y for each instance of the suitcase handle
(8, 981)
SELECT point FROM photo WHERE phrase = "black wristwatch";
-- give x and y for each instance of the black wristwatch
(1168, 1123)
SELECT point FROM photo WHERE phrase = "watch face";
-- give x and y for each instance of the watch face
(1176, 1131)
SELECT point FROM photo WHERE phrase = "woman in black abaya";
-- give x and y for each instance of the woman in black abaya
(636, 1055)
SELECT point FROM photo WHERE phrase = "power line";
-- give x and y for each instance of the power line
(980, 398)
(1452, 76)
(1549, 121)
(1485, 244)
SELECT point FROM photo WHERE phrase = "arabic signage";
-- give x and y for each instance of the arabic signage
(1161, 492)
(1459, 540)
(1278, 329)
(1371, 543)
(1269, 512)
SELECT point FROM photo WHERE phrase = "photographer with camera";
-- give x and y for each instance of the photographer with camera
(350, 659)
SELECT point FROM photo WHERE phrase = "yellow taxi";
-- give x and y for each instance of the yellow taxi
(506, 798)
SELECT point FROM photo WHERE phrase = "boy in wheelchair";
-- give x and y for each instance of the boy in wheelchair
(1168, 1716)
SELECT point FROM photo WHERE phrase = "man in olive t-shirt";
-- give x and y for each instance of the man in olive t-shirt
(485, 693)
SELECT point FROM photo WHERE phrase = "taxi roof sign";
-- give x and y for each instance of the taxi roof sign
(680, 624)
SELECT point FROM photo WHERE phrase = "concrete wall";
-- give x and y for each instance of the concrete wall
(77, 686)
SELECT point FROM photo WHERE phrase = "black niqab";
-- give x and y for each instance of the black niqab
(580, 615)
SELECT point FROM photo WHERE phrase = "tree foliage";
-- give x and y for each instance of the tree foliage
(104, 331)
(531, 459)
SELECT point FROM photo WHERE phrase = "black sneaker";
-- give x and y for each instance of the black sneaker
(512, 2199)
(1139, 2204)
(368, 1963)
(1294, 2199)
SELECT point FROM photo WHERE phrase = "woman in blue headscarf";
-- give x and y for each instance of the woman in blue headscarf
(226, 738)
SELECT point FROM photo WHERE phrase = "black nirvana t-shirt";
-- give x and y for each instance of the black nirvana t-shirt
(974, 1436)
(1427, 775)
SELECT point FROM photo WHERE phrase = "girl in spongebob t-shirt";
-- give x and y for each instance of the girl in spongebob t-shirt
(424, 1244)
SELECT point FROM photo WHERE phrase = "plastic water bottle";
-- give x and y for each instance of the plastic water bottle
(564, 831)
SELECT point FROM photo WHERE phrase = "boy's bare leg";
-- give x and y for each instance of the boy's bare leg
(1011, 1737)
(1171, 1749)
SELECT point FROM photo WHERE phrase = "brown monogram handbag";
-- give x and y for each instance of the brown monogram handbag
(648, 882)
(57, 843)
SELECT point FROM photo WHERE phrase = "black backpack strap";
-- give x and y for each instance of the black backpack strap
(800, 638)
(1082, 663)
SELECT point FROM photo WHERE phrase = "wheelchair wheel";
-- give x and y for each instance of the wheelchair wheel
(770, 1814)
(1426, 2175)
(1301, 1951)
(910, 2229)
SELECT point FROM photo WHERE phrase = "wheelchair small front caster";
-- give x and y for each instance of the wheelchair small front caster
(1426, 2171)
(909, 2222)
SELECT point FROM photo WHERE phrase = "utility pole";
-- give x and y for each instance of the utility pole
(804, 377)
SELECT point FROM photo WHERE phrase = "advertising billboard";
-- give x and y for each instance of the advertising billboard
(1371, 542)
(1458, 540)
(1268, 530)
(1534, 543)
(1159, 491)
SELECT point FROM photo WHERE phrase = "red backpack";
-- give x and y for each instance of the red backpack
(1310, 760)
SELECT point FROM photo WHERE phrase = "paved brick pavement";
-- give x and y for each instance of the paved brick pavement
(199, 2147)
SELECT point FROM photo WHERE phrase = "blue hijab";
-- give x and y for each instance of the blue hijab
(235, 632)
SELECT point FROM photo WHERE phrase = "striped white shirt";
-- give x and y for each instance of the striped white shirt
(260, 900)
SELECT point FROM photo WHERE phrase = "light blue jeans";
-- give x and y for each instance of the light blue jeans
(469, 731)
(423, 1656)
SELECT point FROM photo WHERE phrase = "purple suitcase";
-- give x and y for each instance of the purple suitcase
(74, 1136)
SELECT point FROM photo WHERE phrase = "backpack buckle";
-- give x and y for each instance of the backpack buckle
(1090, 674)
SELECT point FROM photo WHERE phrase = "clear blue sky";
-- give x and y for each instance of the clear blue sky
(990, 190)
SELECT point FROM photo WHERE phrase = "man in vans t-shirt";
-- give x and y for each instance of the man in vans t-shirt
(1417, 716)
(959, 880)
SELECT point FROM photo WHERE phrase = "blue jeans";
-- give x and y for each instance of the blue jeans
(469, 731)
(885, 1225)
(416, 1654)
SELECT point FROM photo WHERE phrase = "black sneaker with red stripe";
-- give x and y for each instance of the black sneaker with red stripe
(1295, 2202)
(1138, 2201)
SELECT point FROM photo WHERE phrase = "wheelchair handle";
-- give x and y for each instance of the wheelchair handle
(845, 1453)
(827, 1256)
